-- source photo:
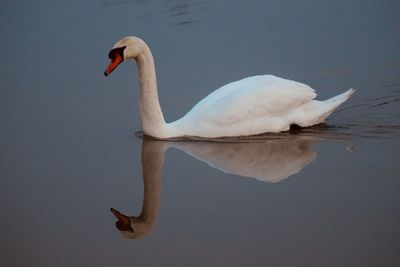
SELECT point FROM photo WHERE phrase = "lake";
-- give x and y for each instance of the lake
(71, 146)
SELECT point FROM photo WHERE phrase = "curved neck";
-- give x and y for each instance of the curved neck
(152, 164)
(153, 122)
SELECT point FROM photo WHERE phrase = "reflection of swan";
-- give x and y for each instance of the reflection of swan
(152, 162)
(268, 161)
(254, 105)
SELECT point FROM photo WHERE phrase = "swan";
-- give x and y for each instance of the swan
(251, 106)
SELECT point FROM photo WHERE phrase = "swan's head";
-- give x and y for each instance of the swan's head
(126, 48)
(131, 226)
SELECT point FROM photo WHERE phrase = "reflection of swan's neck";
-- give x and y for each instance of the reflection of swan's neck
(153, 122)
(152, 163)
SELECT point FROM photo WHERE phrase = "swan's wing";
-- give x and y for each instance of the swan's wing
(267, 96)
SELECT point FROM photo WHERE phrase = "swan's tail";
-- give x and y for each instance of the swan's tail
(336, 101)
(331, 104)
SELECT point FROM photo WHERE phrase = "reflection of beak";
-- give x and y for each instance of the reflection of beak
(123, 223)
(113, 64)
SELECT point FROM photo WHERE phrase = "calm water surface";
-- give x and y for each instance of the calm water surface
(325, 196)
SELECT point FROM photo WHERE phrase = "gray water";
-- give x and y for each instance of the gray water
(325, 196)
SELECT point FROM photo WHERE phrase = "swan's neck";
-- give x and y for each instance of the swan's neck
(153, 122)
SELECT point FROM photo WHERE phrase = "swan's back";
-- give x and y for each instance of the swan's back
(275, 95)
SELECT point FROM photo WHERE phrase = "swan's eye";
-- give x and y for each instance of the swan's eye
(111, 55)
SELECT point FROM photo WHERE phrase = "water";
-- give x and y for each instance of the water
(325, 196)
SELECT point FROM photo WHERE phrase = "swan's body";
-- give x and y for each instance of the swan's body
(250, 106)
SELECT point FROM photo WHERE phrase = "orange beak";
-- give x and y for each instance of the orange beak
(115, 61)
(123, 222)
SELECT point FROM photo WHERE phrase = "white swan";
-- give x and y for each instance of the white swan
(250, 106)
